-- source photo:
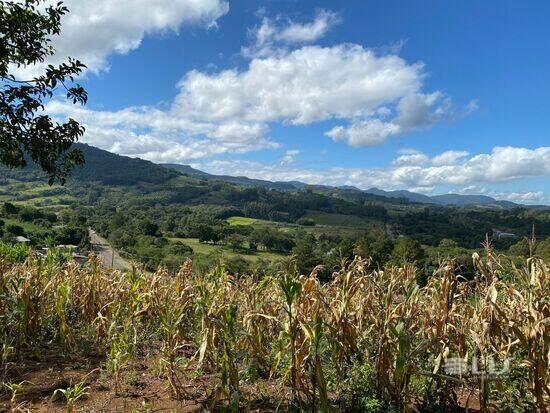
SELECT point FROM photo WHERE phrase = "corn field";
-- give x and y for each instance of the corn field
(369, 340)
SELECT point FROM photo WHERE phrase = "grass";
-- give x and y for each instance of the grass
(209, 249)
(27, 226)
(326, 223)
(248, 221)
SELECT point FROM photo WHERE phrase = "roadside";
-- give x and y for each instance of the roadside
(108, 256)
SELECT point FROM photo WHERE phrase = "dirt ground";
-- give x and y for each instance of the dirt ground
(143, 389)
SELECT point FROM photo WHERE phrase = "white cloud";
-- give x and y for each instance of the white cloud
(414, 111)
(274, 35)
(537, 197)
(162, 136)
(290, 156)
(449, 157)
(364, 133)
(311, 84)
(95, 29)
(529, 197)
(411, 159)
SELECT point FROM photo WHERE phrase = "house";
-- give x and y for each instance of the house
(500, 234)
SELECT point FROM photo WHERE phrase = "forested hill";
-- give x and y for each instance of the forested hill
(104, 167)
(239, 180)
(111, 169)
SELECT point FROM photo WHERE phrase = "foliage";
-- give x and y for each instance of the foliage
(27, 28)
(14, 253)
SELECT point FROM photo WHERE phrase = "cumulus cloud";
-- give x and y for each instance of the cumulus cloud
(290, 156)
(306, 85)
(379, 95)
(411, 159)
(162, 136)
(95, 29)
(413, 111)
(537, 197)
(449, 157)
(274, 35)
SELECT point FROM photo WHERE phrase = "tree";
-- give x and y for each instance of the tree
(377, 248)
(15, 229)
(149, 228)
(305, 254)
(543, 249)
(9, 208)
(407, 250)
(26, 29)
(520, 248)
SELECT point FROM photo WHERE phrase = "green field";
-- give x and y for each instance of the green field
(27, 226)
(248, 221)
(325, 223)
(209, 249)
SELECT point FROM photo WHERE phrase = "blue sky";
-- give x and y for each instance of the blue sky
(433, 96)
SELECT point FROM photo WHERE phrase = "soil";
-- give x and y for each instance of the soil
(143, 389)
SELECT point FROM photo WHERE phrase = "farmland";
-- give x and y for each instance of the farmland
(79, 338)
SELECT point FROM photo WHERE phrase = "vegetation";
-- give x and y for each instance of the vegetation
(142, 208)
(41, 227)
(27, 28)
(365, 340)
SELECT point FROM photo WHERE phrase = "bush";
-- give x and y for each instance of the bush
(16, 230)
(306, 222)
(14, 253)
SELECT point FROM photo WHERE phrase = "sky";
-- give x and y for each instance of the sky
(431, 96)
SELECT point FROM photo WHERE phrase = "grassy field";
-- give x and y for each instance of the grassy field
(209, 249)
(27, 226)
(247, 221)
(325, 223)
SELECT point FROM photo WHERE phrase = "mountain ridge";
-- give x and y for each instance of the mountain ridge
(442, 199)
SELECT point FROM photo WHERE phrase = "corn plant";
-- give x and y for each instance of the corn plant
(314, 336)
(291, 289)
(72, 394)
(296, 334)
(14, 389)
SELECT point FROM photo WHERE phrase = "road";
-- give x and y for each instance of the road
(108, 256)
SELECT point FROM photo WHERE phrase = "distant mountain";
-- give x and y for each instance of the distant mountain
(446, 199)
(411, 196)
(112, 169)
(458, 199)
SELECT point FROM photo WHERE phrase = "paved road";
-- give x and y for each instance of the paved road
(108, 256)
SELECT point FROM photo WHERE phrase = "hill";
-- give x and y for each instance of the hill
(239, 180)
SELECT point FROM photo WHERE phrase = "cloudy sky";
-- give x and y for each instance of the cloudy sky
(431, 96)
